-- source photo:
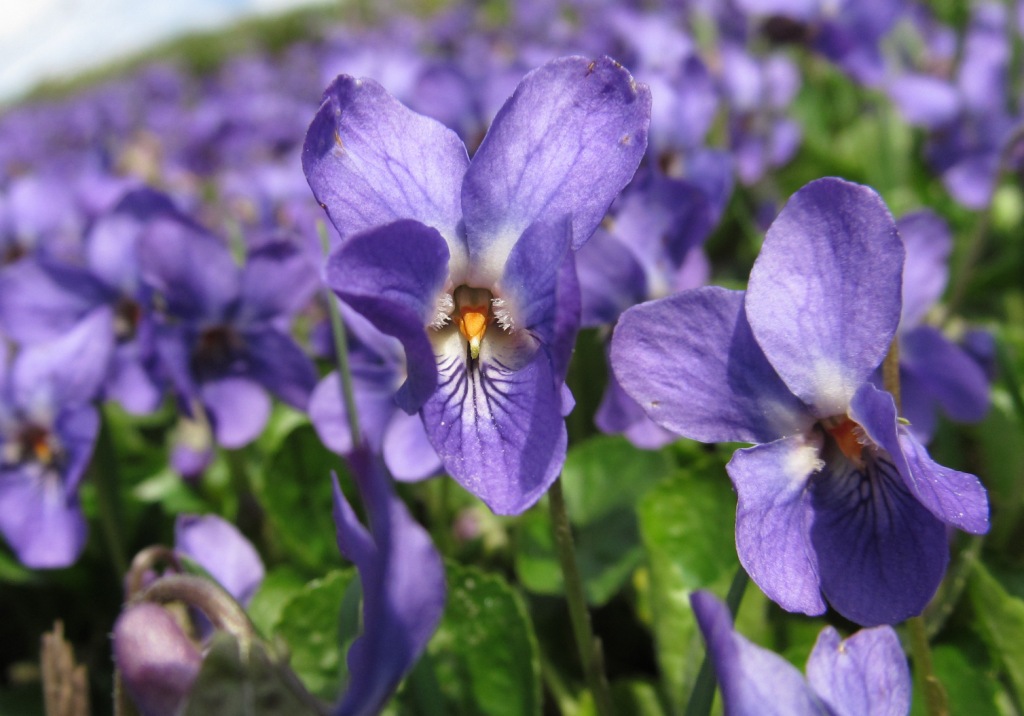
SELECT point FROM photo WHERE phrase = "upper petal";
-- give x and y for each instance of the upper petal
(393, 276)
(864, 674)
(192, 269)
(692, 364)
(564, 144)
(611, 279)
(69, 369)
(371, 160)
(946, 372)
(824, 294)
(277, 280)
(40, 301)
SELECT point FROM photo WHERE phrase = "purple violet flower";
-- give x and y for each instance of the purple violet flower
(223, 339)
(650, 246)
(403, 586)
(469, 264)
(41, 299)
(47, 431)
(836, 496)
(934, 371)
(863, 675)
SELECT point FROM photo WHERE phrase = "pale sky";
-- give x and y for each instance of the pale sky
(44, 39)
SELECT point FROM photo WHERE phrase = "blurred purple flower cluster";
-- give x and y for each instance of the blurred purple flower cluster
(489, 190)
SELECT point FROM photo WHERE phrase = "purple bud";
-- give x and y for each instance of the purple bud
(157, 662)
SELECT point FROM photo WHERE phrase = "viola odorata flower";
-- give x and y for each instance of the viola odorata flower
(469, 263)
(935, 372)
(837, 499)
(865, 674)
(48, 427)
(41, 299)
(222, 336)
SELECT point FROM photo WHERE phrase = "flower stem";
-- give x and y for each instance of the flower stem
(934, 694)
(891, 374)
(589, 646)
(341, 351)
(703, 694)
(108, 499)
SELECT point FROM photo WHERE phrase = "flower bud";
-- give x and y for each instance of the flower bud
(157, 662)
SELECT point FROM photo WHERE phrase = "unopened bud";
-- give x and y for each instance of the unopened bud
(157, 662)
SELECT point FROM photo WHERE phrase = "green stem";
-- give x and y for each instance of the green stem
(108, 497)
(438, 499)
(981, 229)
(891, 374)
(975, 246)
(934, 693)
(941, 607)
(703, 695)
(341, 352)
(588, 645)
(1003, 528)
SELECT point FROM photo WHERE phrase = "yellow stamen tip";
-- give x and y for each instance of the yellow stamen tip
(473, 324)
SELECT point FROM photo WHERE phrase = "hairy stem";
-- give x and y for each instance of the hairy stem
(589, 646)
(341, 353)
(108, 497)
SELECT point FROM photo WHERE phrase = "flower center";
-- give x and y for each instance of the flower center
(127, 316)
(473, 314)
(31, 443)
(217, 348)
(848, 436)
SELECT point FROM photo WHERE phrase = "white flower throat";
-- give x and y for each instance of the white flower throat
(472, 310)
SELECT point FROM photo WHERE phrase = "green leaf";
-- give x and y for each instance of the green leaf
(484, 655)
(231, 684)
(1000, 622)
(310, 624)
(13, 572)
(279, 586)
(969, 689)
(687, 526)
(603, 478)
(295, 491)
(167, 489)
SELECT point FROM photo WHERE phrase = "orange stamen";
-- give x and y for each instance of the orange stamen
(847, 435)
(473, 324)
